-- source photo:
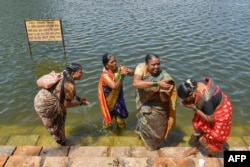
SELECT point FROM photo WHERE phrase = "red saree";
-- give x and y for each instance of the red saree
(215, 135)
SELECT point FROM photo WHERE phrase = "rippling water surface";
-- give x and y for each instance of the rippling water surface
(194, 38)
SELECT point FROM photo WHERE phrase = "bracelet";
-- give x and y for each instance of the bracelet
(197, 133)
(121, 77)
(81, 103)
(195, 109)
(155, 83)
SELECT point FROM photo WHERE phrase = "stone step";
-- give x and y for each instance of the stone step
(49, 161)
(33, 150)
(103, 156)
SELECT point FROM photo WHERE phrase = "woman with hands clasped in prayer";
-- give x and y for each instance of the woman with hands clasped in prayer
(212, 114)
(110, 92)
(155, 102)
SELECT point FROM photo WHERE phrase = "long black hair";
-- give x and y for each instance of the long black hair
(186, 87)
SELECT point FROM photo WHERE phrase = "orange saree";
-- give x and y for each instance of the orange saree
(111, 101)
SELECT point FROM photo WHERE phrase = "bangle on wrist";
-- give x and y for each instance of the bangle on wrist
(195, 109)
(197, 133)
(155, 83)
(121, 77)
(80, 103)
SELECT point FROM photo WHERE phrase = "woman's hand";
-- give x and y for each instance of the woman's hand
(84, 101)
(187, 104)
(165, 86)
(125, 71)
(192, 106)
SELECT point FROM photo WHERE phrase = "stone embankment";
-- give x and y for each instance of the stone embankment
(109, 156)
(86, 156)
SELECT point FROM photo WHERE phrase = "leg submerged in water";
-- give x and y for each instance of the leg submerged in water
(120, 122)
(107, 125)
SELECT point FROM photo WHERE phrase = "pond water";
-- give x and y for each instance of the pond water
(194, 39)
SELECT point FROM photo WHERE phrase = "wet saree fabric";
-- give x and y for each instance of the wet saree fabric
(49, 106)
(111, 101)
(214, 135)
(152, 127)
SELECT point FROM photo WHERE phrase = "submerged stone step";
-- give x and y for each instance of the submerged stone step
(22, 140)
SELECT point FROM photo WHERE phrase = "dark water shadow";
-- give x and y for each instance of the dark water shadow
(175, 138)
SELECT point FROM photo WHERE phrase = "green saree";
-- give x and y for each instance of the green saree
(153, 126)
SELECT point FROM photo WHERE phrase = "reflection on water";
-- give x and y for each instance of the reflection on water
(193, 38)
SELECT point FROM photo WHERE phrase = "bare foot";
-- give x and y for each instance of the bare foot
(190, 151)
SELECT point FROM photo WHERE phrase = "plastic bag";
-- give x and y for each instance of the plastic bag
(48, 80)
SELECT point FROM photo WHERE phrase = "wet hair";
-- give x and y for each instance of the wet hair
(71, 68)
(185, 88)
(150, 56)
(105, 58)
